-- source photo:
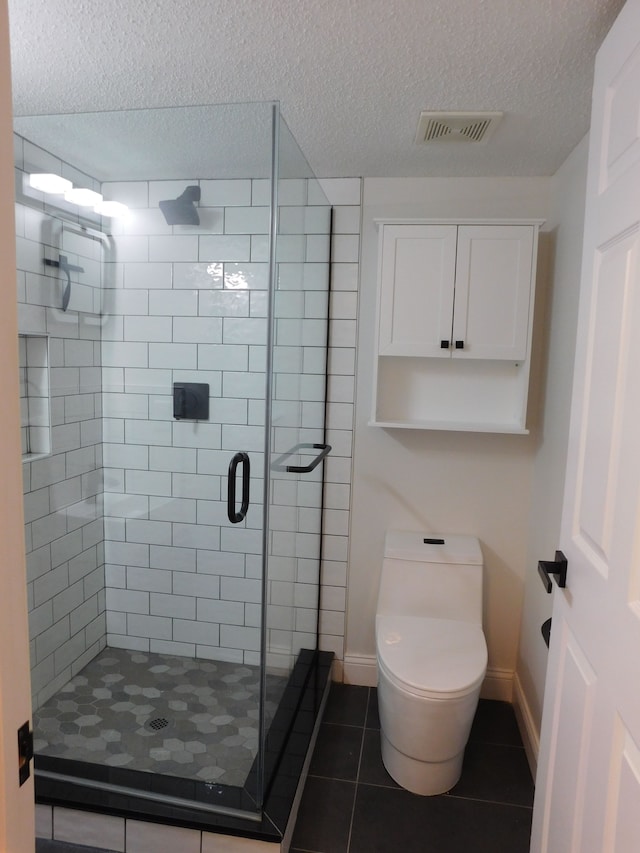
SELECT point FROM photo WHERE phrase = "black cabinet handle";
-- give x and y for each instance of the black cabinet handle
(239, 458)
(557, 567)
(444, 344)
(459, 344)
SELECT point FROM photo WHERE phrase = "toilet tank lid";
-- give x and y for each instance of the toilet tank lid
(433, 547)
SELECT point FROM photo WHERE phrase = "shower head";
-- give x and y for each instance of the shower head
(181, 210)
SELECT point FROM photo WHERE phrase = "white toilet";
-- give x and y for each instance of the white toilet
(431, 655)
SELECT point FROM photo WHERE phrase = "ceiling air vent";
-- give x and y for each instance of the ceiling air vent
(456, 127)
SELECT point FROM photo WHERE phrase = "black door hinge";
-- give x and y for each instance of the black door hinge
(25, 752)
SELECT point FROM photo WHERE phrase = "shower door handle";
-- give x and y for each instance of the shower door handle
(239, 458)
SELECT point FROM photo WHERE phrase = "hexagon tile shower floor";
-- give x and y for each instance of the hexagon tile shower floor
(179, 716)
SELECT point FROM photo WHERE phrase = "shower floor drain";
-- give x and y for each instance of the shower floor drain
(156, 724)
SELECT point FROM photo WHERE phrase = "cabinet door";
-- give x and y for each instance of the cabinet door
(493, 291)
(417, 273)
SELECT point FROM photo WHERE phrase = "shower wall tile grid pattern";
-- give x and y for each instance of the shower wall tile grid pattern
(162, 479)
(158, 713)
(179, 579)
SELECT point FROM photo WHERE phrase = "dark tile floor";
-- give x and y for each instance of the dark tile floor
(351, 804)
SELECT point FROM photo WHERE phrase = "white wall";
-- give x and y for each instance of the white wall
(478, 484)
(565, 222)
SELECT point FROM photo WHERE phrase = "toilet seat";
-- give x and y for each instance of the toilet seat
(431, 658)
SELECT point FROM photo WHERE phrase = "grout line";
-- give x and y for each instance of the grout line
(355, 795)
(488, 802)
(386, 787)
(495, 743)
(332, 778)
(306, 850)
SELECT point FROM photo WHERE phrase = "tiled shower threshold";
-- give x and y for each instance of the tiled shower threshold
(196, 802)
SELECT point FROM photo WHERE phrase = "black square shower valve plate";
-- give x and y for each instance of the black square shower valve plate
(191, 401)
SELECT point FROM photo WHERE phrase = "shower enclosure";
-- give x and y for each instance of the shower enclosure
(173, 312)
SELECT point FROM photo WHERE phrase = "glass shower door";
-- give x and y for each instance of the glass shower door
(206, 281)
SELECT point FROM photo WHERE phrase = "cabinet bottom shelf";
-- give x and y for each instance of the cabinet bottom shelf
(444, 394)
(452, 426)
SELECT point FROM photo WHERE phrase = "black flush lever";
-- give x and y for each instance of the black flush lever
(557, 567)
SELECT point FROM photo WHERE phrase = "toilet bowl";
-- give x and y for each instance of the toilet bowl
(431, 656)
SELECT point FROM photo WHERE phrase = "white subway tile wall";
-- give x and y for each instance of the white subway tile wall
(172, 557)
(63, 490)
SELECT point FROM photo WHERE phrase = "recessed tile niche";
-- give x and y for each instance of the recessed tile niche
(35, 418)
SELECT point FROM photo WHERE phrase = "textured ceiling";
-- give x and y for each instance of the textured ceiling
(351, 75)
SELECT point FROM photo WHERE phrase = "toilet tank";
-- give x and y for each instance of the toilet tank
(430, 575)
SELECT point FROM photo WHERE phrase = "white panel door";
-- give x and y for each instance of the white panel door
(493, 293)
(588, 786)
(417, 273)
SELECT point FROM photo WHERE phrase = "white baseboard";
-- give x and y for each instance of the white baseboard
(526, 723)
(362, 670)
(497, 684)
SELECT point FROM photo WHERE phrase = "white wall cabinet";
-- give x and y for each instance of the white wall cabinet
(455, 309)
